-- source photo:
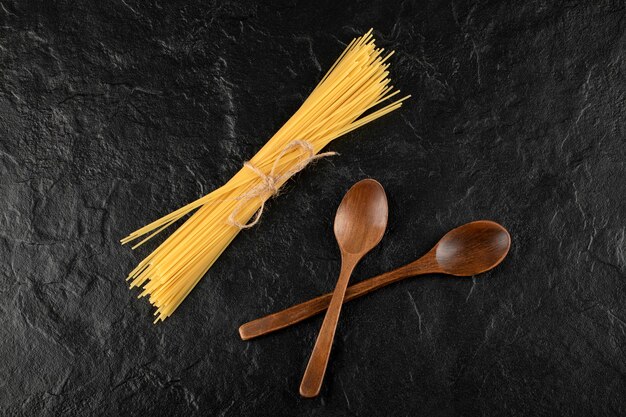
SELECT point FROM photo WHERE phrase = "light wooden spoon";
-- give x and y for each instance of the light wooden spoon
(360, 223)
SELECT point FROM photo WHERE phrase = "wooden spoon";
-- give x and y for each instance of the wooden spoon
(468, 250)
(360, 223)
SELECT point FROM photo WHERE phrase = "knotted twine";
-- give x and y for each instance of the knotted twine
(271, 182)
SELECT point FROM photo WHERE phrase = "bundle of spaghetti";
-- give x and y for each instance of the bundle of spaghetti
(357, 83)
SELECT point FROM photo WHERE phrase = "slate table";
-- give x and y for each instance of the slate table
(115, 113)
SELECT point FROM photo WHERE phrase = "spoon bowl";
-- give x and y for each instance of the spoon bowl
(472, 249)
(361, 218)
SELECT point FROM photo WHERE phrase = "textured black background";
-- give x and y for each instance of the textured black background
(115, 113)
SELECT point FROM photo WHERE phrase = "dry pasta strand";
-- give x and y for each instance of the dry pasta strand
(355, 84)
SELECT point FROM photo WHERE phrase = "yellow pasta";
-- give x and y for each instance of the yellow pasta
(356, 83)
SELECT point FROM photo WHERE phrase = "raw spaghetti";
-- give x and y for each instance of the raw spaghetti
(356, 83)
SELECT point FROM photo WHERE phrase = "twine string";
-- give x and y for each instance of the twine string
(270, 183)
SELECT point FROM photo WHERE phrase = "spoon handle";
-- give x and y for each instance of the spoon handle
(303, 311)
(315, 370)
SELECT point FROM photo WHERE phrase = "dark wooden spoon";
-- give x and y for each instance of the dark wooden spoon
(360, 224)
(468, 250)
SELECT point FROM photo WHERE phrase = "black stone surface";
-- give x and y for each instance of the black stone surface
(115, 113)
